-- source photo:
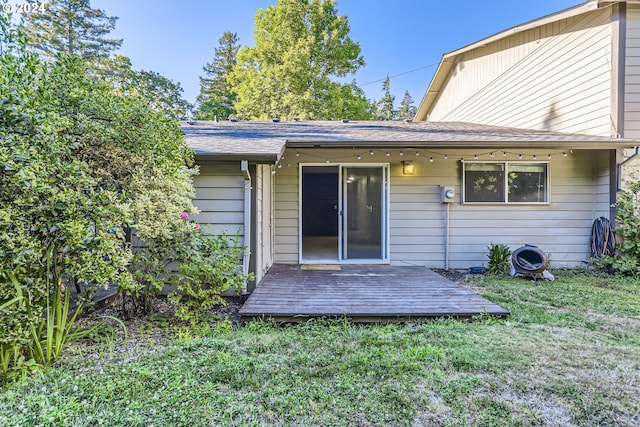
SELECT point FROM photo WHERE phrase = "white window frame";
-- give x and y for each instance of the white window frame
(506, 182)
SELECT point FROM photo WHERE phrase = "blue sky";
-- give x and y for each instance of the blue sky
(176, 38)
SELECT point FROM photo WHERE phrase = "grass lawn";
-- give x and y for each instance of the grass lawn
(568, 355)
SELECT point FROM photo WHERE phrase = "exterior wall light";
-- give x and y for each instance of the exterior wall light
(408, 168)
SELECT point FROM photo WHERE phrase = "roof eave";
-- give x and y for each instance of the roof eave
(228, 157)
(462, 144)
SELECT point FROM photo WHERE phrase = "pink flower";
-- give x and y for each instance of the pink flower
(197, 226)
(184, 215)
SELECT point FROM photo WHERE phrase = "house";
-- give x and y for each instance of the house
(575, 71)
(518, 140)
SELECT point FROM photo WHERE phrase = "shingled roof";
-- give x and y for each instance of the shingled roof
(265, 141)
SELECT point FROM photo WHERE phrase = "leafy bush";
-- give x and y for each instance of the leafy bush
(200, 267)
(209, 265)
(627, 260)
(499, 259)
(81, 162)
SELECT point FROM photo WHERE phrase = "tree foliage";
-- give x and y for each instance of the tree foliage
(71, 26)
(216, 97)
(58, 223)
(384, 107)
(407, 110)
(161, 93)
(300, 47)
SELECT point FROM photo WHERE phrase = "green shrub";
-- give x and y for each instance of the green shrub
(499, 259)
(208, 266)
(627, 260)
(200, 266)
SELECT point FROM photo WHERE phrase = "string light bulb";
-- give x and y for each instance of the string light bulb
(401, 153)
(371, 152)
(430, 159)
(446, 156)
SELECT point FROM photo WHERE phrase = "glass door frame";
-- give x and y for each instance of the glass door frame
(342, 218)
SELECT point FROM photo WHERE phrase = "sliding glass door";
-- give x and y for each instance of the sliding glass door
(344, 212)
(363, 210)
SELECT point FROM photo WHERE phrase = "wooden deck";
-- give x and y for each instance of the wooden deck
(364, 293)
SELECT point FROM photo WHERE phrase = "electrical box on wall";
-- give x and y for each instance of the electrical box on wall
(447, 194)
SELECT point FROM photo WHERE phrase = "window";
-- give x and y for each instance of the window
(505, 182)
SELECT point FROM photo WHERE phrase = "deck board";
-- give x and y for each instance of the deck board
(288, 292)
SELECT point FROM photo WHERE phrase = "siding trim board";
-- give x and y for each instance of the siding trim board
(618, 74)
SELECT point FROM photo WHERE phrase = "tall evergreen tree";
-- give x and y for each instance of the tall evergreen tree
(216, 97)
(71, 26)
(385, 109)
(407, 110)
(300, 47)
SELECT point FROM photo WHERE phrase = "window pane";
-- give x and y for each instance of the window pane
(528, 183)
(484, 182)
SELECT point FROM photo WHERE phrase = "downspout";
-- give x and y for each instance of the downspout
(446, 239)
(624, 162)
(244, 167)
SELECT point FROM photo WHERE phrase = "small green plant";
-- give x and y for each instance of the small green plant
(486, 318)
(499, 259)
(13, 364)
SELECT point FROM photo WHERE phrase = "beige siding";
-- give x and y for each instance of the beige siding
(263, 228)
(220, 198)
(286, 213)
(632, 74)
(556, 77)
(579, 194)
(632, 87)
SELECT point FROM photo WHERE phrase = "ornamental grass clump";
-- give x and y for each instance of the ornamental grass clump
(33, 335)
(499, 259)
